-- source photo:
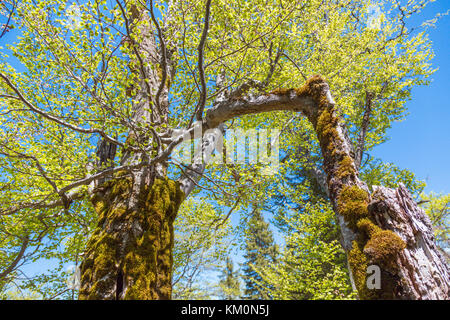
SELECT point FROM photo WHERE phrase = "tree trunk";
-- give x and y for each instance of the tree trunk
(386, 229)
(129, 255)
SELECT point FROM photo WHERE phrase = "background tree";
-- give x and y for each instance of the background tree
(202, 244)
(260, 250)
(312, 264)
(437, 207)
(229, 286)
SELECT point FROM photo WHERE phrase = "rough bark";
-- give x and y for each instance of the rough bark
(422, 269)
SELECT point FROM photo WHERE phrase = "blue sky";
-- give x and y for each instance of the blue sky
(421, 143)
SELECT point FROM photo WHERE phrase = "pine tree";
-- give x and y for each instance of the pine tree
(229, 285)
(260, 250)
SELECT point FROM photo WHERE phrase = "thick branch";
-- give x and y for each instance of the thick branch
(201, 70)
(291, 100)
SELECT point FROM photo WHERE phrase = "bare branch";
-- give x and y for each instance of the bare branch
(16, 260)
(364, 128)
(201, 70)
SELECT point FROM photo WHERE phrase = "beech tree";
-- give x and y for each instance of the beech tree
(103, 94)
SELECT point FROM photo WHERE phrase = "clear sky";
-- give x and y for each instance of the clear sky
(421, 143)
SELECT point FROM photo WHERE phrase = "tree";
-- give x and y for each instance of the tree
(90, 122)
(197, 249)
(229, 283)
(260, 250)
(312, 263)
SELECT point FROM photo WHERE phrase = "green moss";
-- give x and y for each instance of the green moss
(346, 167)
(359, 262)
(352, 204)
(383, 247)
(368, 227)
(373, 246)
(326, 124)
(150, 259)
(312, 87)
(281, 91)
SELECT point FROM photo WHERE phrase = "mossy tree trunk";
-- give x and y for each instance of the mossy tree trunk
(385, 229)
(129, 255)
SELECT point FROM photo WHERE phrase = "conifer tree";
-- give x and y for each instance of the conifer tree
(260, 250)
(229, 285)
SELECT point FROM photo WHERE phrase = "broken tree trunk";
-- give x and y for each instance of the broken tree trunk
(386, 229)
(401, 243)
(422, 269)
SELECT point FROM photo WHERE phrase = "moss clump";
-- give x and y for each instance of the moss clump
(313, 87)
(326, 124)
(346, 167)
(383, 247)
(352, 204)
(281, 91)
(368, 227)
(359, 262)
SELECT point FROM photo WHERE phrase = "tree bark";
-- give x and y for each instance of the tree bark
(422, 269)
